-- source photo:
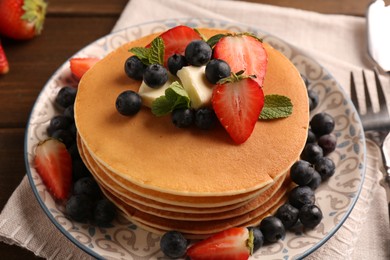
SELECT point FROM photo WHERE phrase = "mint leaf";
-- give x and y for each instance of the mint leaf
(156, 53)
(142, 53)
(175, 97)
(276, 106)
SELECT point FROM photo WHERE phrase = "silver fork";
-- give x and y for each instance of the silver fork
(376, 124)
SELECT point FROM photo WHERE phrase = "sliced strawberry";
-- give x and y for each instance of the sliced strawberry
(238, 105)
(231, 244)
(4, 68)
(79, 66)
(54, 164)
(176, 40)
(243, 52)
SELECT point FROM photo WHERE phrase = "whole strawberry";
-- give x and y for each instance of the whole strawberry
(22, 19)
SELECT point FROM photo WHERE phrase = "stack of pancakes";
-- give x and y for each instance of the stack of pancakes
(197, 182)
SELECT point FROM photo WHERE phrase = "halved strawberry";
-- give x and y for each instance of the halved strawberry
(54, 164)
(4, 68)
(231, 244)
(243, 52)
(176, 40)
(79, 66)
(238, 104)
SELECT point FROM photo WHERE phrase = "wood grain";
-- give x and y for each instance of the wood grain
(71, 25)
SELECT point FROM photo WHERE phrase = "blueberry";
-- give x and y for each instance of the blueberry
(65, 136)
(328, 143)
(315, 181)
(176, 62)
(301, 195)
(325, 167)
(313, 99)
(79, 208)
(173, 244)
(74, 151)
(311, 137)
(217, 69)
(79, 170)
(73, 131)
(288, 215)
(205, 118)
(301, 172)
(104, 213)
(155, 75)
(310, 216)
(134, 68)
(66, 97)
(198, 53)
(69, 112)
(258, 238)
(87, 186)
(128, 103)
(272, 229)
(183, 117)
(322, 124)
(305, 80)
(312, 153)
(58, 122)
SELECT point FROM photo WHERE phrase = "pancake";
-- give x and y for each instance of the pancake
(150, 151)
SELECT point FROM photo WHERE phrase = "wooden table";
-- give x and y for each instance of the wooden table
(70, 25)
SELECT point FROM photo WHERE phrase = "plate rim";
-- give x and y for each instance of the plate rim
(185, 20)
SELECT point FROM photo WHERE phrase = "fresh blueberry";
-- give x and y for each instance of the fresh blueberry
(173, 244)
(328, 143)
(155, 75)
(79, 170)
(205, 118)
(325, 167)
(104, 213)
(58, 122)
(79, 208)
(315, 181)
(198, 53)
(288, 215)
(128, 103)
(65, 136)
(322, 124)
(73, 131)
(311, 137)
(66, 97)
(134, 68)
(272, 229)
(312, 153)
(217, 69)
(258, 238)
(183, 117)
(87, 186)
(313, 99)
(176, 62)
(310, 216)
(301, 172)
(74, 151)
(301, 195)
(69, 112)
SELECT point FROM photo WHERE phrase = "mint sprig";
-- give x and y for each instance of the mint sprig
(276, 106)
(152, 55)
(175, 97)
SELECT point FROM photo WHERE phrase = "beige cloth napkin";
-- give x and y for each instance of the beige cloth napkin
(337, 42)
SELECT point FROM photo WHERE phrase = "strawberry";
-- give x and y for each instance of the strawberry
(79, 66)
(54, 164)
(231, 244)
(4, 68)
(237, 102)
(22, 19)
(243, 52)
(176, 40)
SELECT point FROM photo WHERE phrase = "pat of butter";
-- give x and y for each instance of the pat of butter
(149, 94)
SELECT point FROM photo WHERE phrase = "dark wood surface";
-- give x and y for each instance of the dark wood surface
(69, 26)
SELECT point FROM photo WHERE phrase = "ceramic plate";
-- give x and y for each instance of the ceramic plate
(125, 240)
